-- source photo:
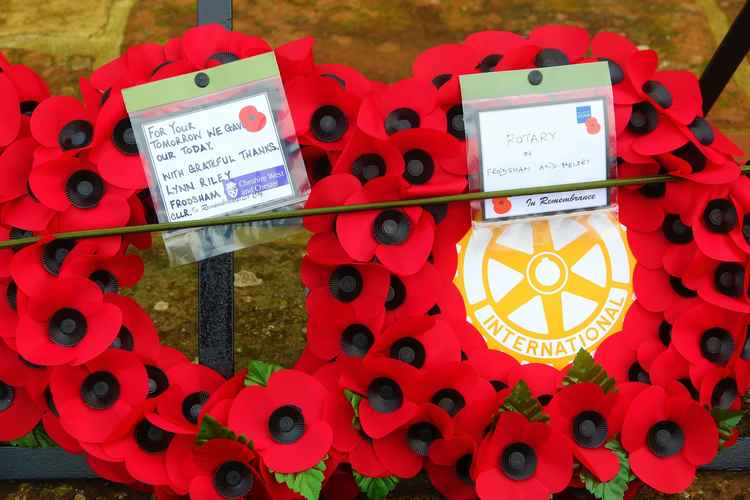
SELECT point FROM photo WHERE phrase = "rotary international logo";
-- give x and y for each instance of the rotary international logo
(541, 290)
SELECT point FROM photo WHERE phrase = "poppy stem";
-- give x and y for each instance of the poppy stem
(341, 209)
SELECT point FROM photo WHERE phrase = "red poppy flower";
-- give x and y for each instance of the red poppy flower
(411, 103)
(137, 332)
(212, 44)
(581, 412)
(324, 113)
(559, 44)
(543, 380)
(666, 438)
(491, 46)
(340, 485)
(97, 401)
(220, 402)
(660, 290)
(495, 366)
(190, 387)
(671, 371)
(719, 283)
(53, 427)
(648, 333)
(19, 372)
(76, 190)
(391, 392)
(10, 108)
(411, 295)
(400, 238)
(295, 58)
(116, 153)
(334, 329)
(227, 469)
(158, 367)
(449, 467)
(404, 450)
(19, 413)
(70, 323)
(673, 241)
(645, 208)
(318, 162)
(522, 460)
(455, 388)
(422, 342)
(111, 274)
(8, 312)
(705, 334)
(284, 420)
(144, 451)
(367, 158)
(620, 360)
(472, 342)
(449, 305)
(349, 78)
(362, 286)
(61, 124)
(434, 163)
(330, 191)
(111, 471)
(616, 50)
(30, 88)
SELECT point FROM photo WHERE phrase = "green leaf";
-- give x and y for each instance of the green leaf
(726, 421)
(615, 488)
(522, 401)
(258, 373)
(307, 483)
(376, 488)
(37, 438)
(354, 400)
(212, 429)
(585, 369)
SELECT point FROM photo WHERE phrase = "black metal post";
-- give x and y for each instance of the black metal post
(728, 56)
(216, 275)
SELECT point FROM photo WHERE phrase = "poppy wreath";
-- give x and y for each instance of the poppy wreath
(393, 381)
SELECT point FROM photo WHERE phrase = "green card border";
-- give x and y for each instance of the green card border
(501, 84)
(183, 87)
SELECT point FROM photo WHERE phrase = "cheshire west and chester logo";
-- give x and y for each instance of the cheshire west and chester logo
(541, 290)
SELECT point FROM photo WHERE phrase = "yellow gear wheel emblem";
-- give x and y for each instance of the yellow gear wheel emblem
(544, 289)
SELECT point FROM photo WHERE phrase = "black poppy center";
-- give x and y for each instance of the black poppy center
(150, 438)
(676, 231)
(463, 468)
(643, 119)
(391, 227)
(665, 333)
(418, 166)
(233, 480)
(345, 283)
(328, 124)
(27, 107)
(691, 154)
(518, 461)
(680, 289)
(157, 381)
(720, 216)
(550, 57)
(105, 280)
(653, 190)
(368, 166)
(702, 131)
(717, 345)
(321, 167)
(489, 62)
(745, 354)
(224, 57)
(124, 339)
(356, 340)
(636, 373)
(728, 278)
(75, 135)
(100, 390)
(449, 400)
(401, 119)
(420, 436)
(455, 120)
(396, 293)
(193, 404)
(438, 212)
(724, 393)
(544, 399)
(123, 137)
(67, 327)
(665, 439)
(17, 233)
(441, 80)
(384, 395)
(11, 295)
(688, 384)
(54, 253)
(616, 74)
(84, 189)
(286, 424)
(50, 401)
(590, 429)
(498, 385)
(658, 92)
(7, 395)
(410, 351)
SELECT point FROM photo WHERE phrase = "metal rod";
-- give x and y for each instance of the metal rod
(339, 209)
(727, 58)
(216, 275)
